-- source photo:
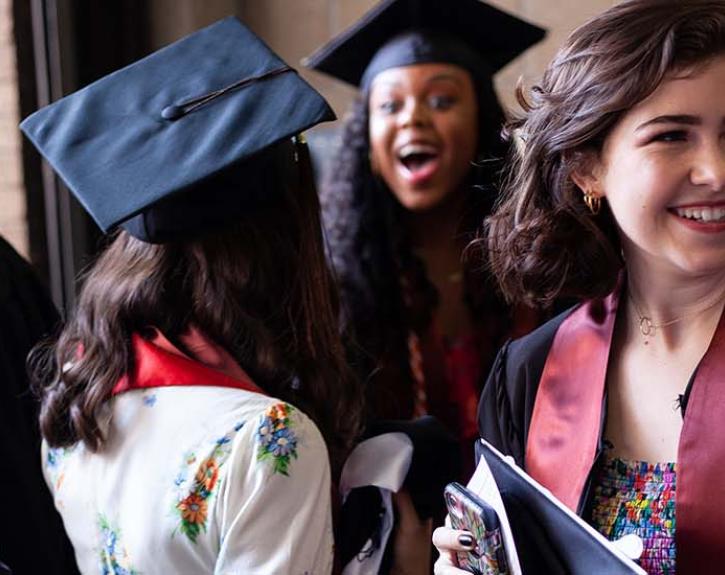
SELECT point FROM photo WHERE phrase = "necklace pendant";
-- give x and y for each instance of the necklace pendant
(646, 327)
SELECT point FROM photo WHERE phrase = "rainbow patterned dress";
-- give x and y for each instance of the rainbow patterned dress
(638, 497)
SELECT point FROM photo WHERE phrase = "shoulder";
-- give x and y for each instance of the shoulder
(283, 438)
(509, 394)
(528, 353)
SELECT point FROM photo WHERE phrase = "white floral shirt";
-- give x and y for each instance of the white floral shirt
(195, 480)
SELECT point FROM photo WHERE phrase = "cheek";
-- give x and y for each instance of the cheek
(640, 185)
(462, 131)
(379, 135)
(462, 139)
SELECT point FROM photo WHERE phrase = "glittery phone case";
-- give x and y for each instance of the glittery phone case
(470, 513)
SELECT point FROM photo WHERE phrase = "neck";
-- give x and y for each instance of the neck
(437, 229)
(679, 305)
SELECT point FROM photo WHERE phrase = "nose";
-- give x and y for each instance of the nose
(413, 114)
(709, 166)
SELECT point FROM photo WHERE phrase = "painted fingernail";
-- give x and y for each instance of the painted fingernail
(466, 540)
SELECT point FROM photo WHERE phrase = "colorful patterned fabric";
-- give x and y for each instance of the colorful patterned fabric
(196, 479)
(276, 438)
(639, 497)
(113, 558)
(197, 484)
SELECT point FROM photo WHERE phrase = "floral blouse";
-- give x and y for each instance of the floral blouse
(197, 479)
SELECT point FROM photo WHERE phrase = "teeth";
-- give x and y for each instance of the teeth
(410, 149)
(702, 214)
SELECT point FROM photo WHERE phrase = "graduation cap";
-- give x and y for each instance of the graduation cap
(183, 140)
(468, 33)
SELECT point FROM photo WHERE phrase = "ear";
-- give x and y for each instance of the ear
(588, 173)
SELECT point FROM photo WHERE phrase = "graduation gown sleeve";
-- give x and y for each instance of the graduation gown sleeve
(507, 401)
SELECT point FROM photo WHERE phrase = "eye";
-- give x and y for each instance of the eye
(670, 136)
(441, 102)
(389, 106)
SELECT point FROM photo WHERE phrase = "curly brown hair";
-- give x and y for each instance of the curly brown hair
(260, 288)
(542, 241)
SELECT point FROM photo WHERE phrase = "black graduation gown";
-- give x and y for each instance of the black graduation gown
(32, 539)
(505, 418)
(507, 401)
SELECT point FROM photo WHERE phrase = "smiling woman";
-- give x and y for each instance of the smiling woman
(672, 216)
(616, 195)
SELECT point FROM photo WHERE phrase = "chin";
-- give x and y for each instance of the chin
(419, 201)
(421, 205)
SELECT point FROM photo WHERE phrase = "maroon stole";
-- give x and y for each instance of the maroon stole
(566, 425)
(158, 364)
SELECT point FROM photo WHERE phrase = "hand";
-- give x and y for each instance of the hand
(411, 543)
(447, 542)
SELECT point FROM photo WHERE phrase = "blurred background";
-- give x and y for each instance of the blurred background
(49, 48)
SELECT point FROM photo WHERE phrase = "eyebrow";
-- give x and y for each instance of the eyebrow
(444, 76)
(672, 119)
(431, 80)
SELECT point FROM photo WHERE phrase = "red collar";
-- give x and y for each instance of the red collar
(566, 426)
(158, 363)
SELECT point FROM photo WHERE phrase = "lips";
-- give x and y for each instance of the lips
(418, 161)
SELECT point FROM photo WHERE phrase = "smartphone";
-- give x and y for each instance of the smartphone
(467, 511)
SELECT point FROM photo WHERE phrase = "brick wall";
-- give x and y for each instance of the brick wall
(13, 225)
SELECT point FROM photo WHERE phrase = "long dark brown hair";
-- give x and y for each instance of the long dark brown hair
(371, 252)
(543, 242)
(259, 288)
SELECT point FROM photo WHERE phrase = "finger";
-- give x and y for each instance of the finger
(447, 539)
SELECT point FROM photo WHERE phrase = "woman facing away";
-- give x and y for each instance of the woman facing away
(407, 191)
(189, 402)
(616, 194)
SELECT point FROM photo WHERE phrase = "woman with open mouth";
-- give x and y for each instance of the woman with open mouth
(407, 191)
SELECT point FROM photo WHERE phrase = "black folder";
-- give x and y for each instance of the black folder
(550, 539)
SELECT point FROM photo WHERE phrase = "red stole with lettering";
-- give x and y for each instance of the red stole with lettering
(158, 363)
(567, 418)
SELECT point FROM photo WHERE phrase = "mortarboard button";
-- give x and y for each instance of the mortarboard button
(172, 112)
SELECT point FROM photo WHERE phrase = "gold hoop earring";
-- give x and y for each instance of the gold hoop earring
(593, 202)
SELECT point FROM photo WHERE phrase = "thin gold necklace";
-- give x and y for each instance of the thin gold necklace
(649, 328)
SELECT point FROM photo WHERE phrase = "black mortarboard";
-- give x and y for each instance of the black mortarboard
(468, 33)
(179, 141)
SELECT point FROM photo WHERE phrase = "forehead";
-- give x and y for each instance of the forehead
(418, 76)
(695, 91)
